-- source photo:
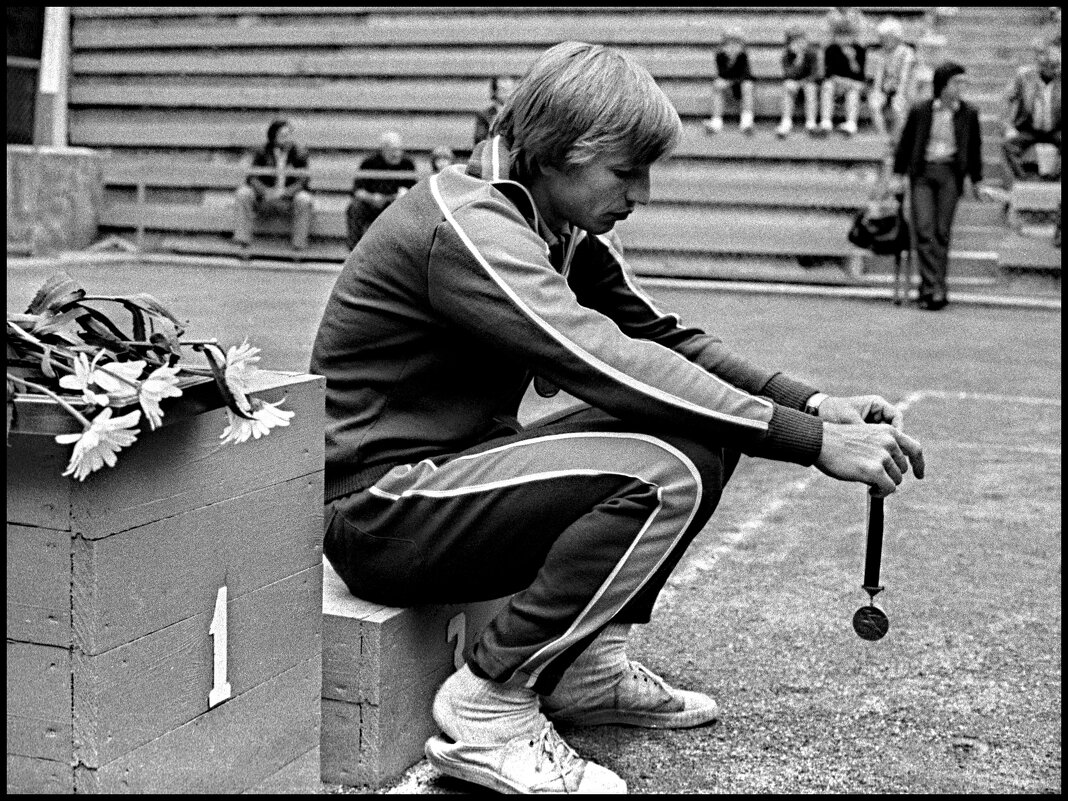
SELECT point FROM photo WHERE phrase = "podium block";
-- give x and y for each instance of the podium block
(164, 618)
(382, 666)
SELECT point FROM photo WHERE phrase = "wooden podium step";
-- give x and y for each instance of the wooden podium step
(381, 668)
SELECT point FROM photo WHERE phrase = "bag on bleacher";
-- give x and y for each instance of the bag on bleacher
(881, 227)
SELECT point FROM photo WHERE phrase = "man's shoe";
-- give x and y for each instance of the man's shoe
(931, 304)
(637, 698)
(496, 736)
(527, 764)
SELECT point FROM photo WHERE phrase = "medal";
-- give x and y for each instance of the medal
(870, 622)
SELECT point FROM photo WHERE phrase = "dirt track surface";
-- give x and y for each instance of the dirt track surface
(963, 694)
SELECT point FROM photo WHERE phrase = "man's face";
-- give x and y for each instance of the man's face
(954, 89)
(505, 87)
(391, 150)
(1049, 61)
(596, 195)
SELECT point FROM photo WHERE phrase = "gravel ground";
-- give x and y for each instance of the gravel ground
(962, 696)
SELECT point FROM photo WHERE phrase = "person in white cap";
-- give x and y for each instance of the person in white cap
(890, 66)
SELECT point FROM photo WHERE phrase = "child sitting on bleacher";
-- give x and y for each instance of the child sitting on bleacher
(890, 69)
(843, 73)
(801, 72)
(733, 73)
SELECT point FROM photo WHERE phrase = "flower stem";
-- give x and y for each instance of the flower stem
(45, 391)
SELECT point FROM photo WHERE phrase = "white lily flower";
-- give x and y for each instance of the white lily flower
(99, 443)
(83, 377)
(239, 369)
(161, 383)
(265, 416)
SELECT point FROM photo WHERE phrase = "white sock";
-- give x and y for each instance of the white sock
(597, 669)
(470, 709)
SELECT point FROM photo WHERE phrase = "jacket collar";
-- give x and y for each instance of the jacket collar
(491, 160)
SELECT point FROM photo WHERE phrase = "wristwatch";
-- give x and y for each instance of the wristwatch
(812, 405)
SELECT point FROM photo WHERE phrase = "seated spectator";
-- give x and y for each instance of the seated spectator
(890, 67)
(501, 88)
(371, 195)
(930, 51)
(276, 192)
(440, 158)
(732, 72)
(801, 73)
(851, 15)
(1034, 105)
(843, 73)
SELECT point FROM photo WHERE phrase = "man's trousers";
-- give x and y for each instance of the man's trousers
(934, 203)
(247, 207)
(1015, 148)
(580, 518)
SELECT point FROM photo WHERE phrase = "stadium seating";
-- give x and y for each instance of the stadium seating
(179, 96)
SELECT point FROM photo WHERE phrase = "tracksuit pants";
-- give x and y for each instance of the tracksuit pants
(580, 518)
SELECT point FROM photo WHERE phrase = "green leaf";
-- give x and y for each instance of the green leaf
(166, 339)
(150, 304)
(102, 319)
(56, 293)
(46, 362)
(56, 323)
(220, 380)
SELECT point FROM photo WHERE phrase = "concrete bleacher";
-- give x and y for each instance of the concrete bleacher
(182, 94)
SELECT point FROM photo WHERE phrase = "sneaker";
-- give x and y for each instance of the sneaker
(714, 125)
(784, 129)
(746, 125)
(527, 764)
(848, 128)
(638, 697)
(811, 129)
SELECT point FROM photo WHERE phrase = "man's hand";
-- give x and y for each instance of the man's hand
(861, 409)
(876, 454)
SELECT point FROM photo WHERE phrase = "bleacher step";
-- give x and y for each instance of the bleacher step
(260, 248)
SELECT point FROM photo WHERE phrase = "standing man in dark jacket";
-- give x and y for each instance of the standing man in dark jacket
(940, 145)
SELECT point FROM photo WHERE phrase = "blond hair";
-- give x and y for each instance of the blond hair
(580, 100)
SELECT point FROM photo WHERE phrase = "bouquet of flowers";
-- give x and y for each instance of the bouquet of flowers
(65, 348)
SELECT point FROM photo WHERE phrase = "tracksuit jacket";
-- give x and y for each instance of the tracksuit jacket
(459, 295)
